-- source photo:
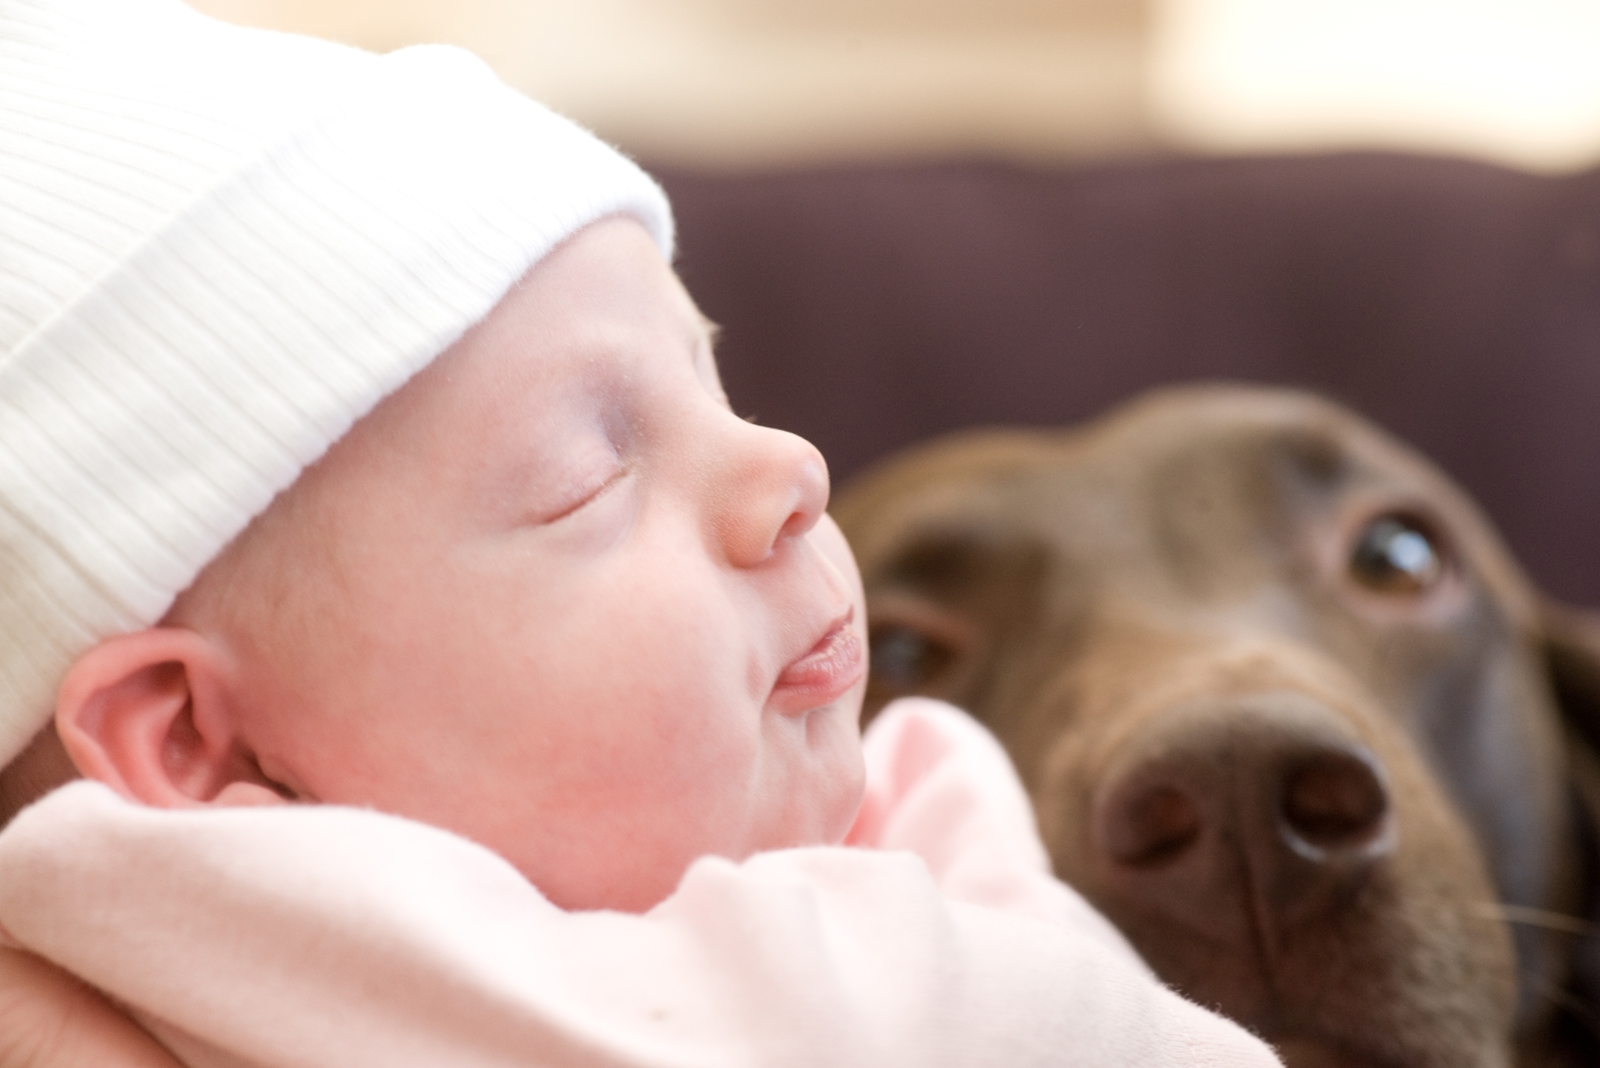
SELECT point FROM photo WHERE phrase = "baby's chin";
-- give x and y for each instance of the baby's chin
(834, 799)
(852, 789)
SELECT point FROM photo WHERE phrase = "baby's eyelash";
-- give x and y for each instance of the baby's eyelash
(589, 497)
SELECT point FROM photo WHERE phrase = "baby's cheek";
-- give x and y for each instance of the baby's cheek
(829, 540)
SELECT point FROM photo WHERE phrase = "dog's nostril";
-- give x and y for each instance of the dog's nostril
(1155, 826)
(1333, 801)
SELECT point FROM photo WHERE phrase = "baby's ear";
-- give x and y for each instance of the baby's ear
(151, 715)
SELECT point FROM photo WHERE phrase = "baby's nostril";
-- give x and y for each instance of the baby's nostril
(1152, 827)
(1334, 800)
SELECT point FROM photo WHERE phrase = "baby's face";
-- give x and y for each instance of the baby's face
(555, 596)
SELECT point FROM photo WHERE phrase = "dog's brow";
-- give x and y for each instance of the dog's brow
(1316, 454)
(950, 558)
(935, 556)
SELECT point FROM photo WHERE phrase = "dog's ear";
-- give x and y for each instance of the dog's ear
(1572, 654)
(1572, 658)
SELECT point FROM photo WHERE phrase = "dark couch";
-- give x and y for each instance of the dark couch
(1454, 302)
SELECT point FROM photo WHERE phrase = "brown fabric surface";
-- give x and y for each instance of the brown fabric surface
(1456, 303)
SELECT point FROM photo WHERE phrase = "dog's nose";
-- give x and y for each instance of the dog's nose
(1333, 800)
(1269, 800)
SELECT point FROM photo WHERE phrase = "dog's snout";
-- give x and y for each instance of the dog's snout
(1329, 801)
(1269, 801)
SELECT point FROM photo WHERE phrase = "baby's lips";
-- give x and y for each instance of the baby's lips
(825, 674)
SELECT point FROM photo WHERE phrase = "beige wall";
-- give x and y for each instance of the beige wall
(1516, 81)
(763, 82)
(768, 81)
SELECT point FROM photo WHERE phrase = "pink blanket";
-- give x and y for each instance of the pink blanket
(342, 937)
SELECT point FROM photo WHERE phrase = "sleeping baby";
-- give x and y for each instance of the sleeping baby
(451, 675)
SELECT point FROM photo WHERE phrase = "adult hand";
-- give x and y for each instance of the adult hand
(48, 1019)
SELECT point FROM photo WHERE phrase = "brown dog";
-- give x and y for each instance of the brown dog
(1287, 711)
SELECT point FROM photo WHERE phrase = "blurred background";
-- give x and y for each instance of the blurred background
(738, 83)
(912, 216)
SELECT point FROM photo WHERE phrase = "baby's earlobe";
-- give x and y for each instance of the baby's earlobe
(248, 795)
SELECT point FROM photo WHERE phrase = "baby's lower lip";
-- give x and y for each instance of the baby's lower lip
(824, 674)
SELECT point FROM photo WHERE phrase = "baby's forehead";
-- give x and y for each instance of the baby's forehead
(575, 340)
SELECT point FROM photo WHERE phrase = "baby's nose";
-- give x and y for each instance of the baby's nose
(775, 487)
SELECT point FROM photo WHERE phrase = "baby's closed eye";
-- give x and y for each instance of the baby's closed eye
(579, 471)
(588, 491)
(555, 473)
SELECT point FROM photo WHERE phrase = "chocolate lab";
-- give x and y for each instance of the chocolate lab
(1288, 712)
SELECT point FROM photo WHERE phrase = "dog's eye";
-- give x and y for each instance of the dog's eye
(1396, 554)
(904, 659)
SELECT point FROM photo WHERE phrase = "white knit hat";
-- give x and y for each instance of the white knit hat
(219, 247)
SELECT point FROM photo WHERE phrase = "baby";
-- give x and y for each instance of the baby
(459, 680)
(552, 595)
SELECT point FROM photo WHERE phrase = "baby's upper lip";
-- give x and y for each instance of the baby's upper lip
(824, 672)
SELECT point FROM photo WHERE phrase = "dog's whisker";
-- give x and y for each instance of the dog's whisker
(1531, 917)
